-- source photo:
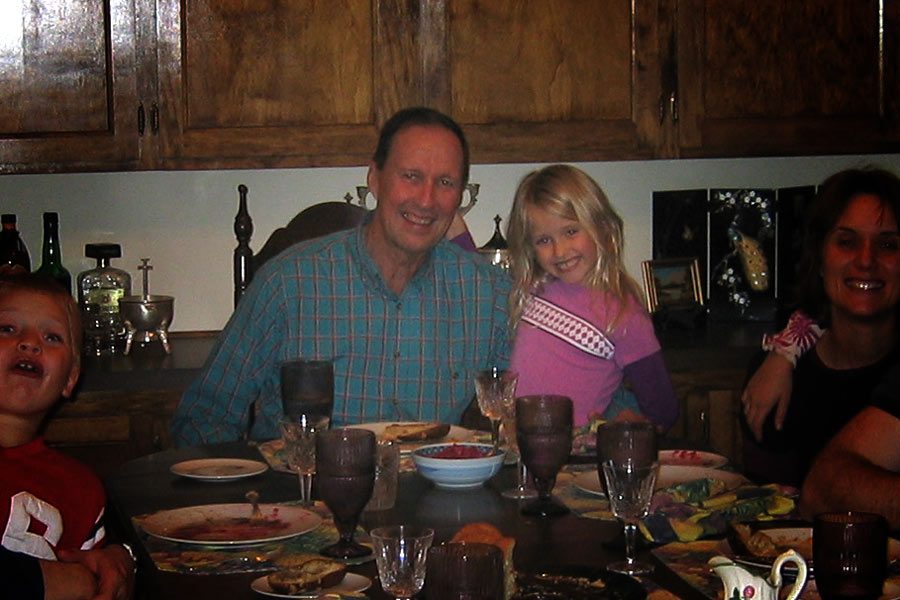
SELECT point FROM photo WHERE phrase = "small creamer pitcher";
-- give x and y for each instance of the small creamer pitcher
(740, 584)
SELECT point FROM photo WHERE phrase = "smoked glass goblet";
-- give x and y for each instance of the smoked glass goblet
(544, 434)
(491, 386)
(345, 477)
(850, 552)
(299, 437)
(627, 463)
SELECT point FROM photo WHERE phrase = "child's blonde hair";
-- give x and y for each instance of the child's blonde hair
(569, 193)
(28, 282)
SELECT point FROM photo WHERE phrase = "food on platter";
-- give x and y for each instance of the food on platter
(229, 528)
(769, 543)
(415, 432)
(485, 533)
(304, 572)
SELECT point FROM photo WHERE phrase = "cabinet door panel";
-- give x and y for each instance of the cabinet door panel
(806, 76)
(578, 78)
(68, 91)
(273, 83)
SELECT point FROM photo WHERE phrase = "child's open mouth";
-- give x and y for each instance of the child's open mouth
(28, 368)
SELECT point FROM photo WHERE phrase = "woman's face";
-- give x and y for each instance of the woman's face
(861, 260)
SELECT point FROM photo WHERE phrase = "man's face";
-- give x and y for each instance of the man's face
(36, 355)
(418, 193)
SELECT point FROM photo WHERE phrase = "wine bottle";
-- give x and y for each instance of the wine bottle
(13, 252)
(51, 253)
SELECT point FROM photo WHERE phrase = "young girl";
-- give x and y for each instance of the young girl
(579, 322)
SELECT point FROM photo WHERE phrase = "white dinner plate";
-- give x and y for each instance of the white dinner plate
(456, 434)
(351, 583)
(219, 469)
(691, 458)
(230, 524)
(669, 475)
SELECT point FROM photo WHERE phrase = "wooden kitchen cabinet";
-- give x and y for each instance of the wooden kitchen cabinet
(207, 84)
(69, 94)
(770, 77)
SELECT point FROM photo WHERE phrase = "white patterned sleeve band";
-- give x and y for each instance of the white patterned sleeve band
(799, 335)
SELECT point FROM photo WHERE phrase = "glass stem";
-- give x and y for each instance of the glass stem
(630, 539)
(495, 433)
(523, 474)
(306, 488)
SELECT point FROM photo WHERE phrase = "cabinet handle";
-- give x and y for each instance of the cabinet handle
(154, 118)
(141, 119)
(673, 107)
(704, 426)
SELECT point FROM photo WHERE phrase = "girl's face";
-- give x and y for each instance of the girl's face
(861, 260)
(563, 247)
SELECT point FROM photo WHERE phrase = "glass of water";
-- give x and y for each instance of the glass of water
(628, 464)
(401, 553)
(299, 437)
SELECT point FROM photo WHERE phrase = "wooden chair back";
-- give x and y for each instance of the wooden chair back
(312, 222)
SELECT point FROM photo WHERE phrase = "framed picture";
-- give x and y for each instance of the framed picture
(672, 283)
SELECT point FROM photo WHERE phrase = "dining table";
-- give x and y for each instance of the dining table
(147, 485)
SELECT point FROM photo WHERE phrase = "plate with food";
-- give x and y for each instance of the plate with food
(589, 482)
(218, 469)
(412, 434)
(230, 524)
(691, 458)
(577, 583)
(669, 475)
(760, 543)
(309, 576)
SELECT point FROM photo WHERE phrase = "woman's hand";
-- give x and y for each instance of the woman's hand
(769, 387)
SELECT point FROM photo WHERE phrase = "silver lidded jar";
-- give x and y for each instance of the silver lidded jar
(99, 290)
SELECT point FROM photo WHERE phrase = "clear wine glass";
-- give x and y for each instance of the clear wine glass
(400, 555)
(628, 464)
(299, 437)
(522, 490)
(491, 386)
(345, 475)
(544, 434)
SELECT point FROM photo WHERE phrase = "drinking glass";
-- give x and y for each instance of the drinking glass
(544, 434)
(522, 489)
(850, 555)
(299, 437)
(345, 476)
(469, 570)
(307, 387)
(400, 554)
(491, 386)
(627, 463)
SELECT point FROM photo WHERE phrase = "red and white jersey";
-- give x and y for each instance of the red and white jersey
(51, 501)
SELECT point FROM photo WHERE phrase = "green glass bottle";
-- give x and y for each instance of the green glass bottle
(51, 255)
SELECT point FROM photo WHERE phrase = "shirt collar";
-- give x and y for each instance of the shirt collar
(372, 276)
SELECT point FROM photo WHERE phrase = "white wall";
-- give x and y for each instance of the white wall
(183, 221)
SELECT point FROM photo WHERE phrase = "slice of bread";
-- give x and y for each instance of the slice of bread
(486, 533)
(305, 572)
(415, 432)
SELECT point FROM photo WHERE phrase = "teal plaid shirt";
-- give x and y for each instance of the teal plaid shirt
(411, 356)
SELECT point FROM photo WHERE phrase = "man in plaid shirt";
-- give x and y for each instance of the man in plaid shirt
(406, 317)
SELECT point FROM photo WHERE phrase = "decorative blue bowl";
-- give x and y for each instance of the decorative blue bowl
(457, 473)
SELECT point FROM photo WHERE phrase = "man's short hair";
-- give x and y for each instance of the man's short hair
(418, 116)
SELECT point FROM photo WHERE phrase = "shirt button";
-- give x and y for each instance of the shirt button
(396, 355)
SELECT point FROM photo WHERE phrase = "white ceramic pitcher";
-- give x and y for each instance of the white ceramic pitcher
(740, 584)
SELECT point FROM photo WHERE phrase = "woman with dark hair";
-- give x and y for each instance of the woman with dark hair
(850, 284)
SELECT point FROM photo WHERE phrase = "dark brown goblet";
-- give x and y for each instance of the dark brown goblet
(345, 477)
(850, 555)
(473, 571)
(544, 434)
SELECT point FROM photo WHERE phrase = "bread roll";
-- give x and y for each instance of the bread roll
(415, 432)
(304, 572)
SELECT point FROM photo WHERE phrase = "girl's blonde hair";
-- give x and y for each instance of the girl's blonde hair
(569, 193)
